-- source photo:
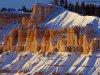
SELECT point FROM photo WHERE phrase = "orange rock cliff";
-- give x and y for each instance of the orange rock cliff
(28, 36)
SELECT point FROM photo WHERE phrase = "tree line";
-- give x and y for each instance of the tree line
(13, 9)
(84, 9)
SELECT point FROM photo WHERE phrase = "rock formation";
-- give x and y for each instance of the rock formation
(5, 18)
(21, 39)
(30, 37)
(39, 14)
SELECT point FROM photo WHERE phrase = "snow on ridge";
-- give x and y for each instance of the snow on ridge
(14, 12)
(72, 62)
(7, 29)
(64, 18)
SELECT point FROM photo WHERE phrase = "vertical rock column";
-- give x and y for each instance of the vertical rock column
(80, 43)
(25, 21)
(43, 45)
(28, 41)
(85, 44)
(6, 45)
(71, 39)
(13, 39)
(92, 46)
(35, 44)
(21, 39)
(51, 44)
(60, 45)
(45, 40)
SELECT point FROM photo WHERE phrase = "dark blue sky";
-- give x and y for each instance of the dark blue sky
(29, 3)
(19, 3)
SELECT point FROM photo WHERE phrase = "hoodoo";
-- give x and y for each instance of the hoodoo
(29, 36)
(51, 40)
(39, 14)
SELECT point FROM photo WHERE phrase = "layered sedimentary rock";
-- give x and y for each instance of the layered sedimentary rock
(61, 45)
(13, 39)
(28, 41)
(21, 39)
(6, 43)
(25, 21)
(86, 43)
(5, 19)
(32, 40)
(39, 14)
(29, 37)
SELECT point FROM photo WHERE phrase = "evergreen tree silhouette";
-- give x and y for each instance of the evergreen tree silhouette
(66, 4)
(83, 8)
(77, 8)
(56, 2)
(62, 2)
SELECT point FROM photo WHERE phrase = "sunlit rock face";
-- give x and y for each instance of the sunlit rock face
(41, 12)
(34, 39)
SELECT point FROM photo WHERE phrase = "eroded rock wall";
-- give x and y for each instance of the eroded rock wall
(9, 18)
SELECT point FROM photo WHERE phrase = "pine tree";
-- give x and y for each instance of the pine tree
(70, 5)
(4, 9)
(56, 2)
(77, 8)
(62, 2)
(97, 11)
(23, 8)
(19, 9)
(66, 4)
(87, 9)
(92, 8)
(30, 10)
(83, 8)
(51, 2)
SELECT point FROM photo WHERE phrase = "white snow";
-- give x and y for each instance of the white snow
(7, 58)
(19, 61)
(13, 12)
(7, 29)
(62, 62)
(68, 19)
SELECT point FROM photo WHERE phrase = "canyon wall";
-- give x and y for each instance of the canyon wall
(51, 41)
(28, 36)
(40, 14)
(9, 18)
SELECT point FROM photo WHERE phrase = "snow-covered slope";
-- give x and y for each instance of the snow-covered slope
(62, 62)
(58, 62)
(64, 18)
(7, 29)
(14, 12)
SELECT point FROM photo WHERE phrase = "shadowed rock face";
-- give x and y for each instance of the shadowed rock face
(9, 18)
